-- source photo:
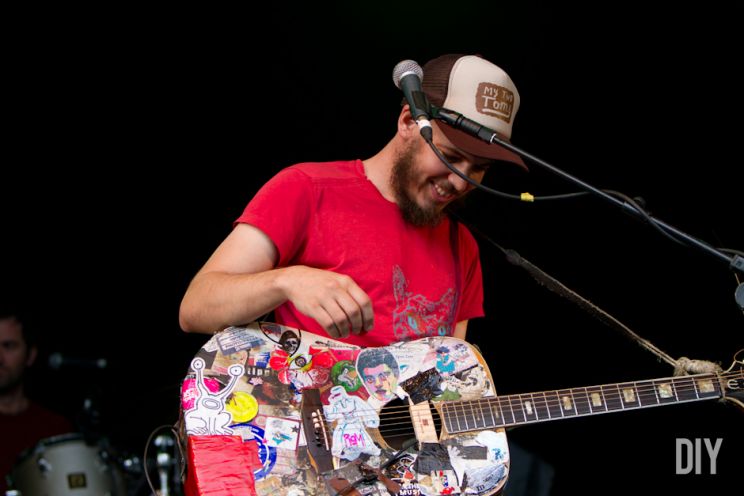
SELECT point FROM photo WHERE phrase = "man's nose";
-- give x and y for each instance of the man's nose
(460, 184)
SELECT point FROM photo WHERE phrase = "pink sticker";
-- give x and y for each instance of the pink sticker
(189, 393)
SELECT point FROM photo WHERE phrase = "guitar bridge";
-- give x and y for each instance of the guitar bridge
(319, 429)
(316, 431)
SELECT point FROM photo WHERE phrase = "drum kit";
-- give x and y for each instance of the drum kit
(69, 464)
(89, 463)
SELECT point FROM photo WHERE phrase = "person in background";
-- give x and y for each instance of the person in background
(23, 421)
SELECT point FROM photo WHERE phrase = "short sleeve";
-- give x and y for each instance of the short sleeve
(282, 209)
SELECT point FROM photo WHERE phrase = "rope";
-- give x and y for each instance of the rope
(682, 366)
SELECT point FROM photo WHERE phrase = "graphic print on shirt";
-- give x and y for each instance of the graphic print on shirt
(415, 316)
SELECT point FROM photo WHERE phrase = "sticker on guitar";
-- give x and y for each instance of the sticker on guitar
(427, 420)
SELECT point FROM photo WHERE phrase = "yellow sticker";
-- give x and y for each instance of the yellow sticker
(243, 406)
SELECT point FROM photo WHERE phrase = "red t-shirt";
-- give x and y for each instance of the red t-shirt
(330, 216)
(23, 431)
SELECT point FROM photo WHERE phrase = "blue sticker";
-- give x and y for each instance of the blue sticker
(266, 454)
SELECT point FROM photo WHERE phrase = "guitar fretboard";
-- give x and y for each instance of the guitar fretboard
(505, 411)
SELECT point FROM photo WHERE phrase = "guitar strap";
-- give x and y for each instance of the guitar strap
(681, 367)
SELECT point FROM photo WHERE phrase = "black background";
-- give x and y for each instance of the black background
(136, 137)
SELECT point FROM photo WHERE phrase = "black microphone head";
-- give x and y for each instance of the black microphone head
(406, 67)
(59, 361)
(55, 361)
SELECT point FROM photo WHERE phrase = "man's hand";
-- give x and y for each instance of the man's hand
(334, 300)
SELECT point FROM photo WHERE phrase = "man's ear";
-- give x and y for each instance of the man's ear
(31, 358)
(407, 126)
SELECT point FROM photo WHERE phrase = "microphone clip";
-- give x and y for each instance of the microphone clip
(471, 127)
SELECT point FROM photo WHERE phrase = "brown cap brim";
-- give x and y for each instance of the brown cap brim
(478, 147)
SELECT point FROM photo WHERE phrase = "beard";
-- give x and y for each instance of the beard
(10, 381)
(403, 177)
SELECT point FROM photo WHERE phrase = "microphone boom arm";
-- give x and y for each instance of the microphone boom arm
(459, 121)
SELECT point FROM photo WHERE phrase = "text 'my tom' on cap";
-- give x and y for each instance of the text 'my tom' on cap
(479, 90)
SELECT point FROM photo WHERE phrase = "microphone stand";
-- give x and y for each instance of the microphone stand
(459, 121)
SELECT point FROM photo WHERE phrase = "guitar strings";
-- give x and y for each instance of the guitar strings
(462, 409)
(552, 397)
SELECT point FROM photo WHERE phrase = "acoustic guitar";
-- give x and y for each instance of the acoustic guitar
(271, 410)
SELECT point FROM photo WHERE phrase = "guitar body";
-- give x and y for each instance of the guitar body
(311, 415)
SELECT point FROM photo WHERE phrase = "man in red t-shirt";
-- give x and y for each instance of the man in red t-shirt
(23, 422)
(363, 250)
(360, 250)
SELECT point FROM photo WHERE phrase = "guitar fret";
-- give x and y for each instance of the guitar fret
(456, 417)
(628, 394)
(685, 388)
(604, 399)
(596, 399)
(707, 387)
(528, 404)
(583, 405)
(447, 416)
(612, 397)
(501, 411)
(656, 393)
(469, 414)
(519, 413)
(572, 398)
(490, 410)
(474, 416)
(554, 404)
(494, 409)
(483, 414)
(541, 407)
(464, 415)
(620, 396)
(482, 417)
(511, 420)
(695, 388)
(480, 421)
(647, 394)
(664, 391)
(567, 402)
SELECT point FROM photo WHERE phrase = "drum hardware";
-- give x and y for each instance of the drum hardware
(66, 465)
(166, 462)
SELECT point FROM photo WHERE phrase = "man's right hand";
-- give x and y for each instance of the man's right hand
(239, 283)
(334, 300)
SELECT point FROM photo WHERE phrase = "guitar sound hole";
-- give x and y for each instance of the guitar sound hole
(396, 426)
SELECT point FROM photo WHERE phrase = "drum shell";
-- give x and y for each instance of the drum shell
(66, 465)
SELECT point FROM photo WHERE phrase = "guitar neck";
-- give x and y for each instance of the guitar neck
(516, 409)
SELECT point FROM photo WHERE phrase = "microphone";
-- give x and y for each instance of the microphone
(471, 127)
(407, 76)
(59, 361)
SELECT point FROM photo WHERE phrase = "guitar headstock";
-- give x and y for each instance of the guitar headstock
(732, 381)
